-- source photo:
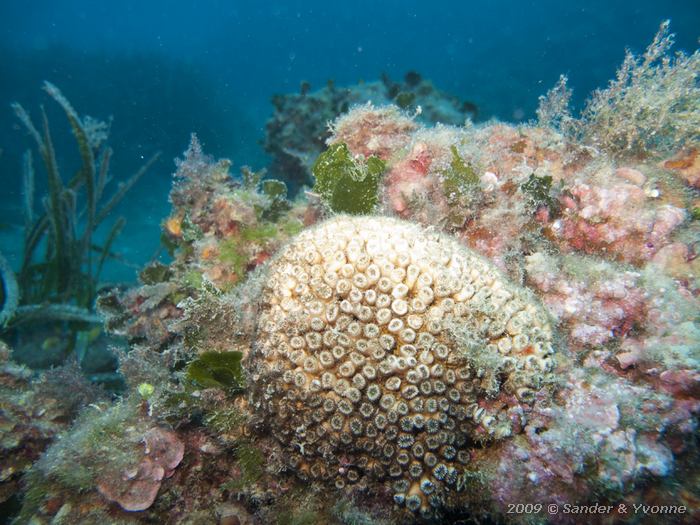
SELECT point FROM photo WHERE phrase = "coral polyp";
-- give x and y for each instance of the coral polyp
(384, 351)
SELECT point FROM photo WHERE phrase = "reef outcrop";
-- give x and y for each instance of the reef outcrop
(507, 329)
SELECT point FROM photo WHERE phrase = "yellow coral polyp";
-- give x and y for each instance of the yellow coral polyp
(209, 252)
(173, 226)
(376, 343)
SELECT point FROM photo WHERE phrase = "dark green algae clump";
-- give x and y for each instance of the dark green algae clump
(347, 184)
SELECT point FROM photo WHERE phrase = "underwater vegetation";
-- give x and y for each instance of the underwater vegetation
(347, 184)
(9, 292)
(61, 284)
(652, 106)
(457, 319)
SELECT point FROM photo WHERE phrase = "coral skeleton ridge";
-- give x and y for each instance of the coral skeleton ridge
(385, 351)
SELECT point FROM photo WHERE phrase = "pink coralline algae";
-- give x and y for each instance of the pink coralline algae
(605, 428)
(666, 360)
(136, 489)
(681, 382)
(680, 261)
(616, 220)
(665, 353)
(368, 130)
(409, 179)
(686, 165)
(594, 308)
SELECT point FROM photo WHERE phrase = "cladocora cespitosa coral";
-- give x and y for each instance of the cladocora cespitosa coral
(384, 352)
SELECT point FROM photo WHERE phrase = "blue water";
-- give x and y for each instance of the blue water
(164, 69)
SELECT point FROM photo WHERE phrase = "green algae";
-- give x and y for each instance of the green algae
(251, 464)
(232, 254)
(155, 273)
(274, 189)
(276, 192)
(190, 231)
(345, 184)
(146, 390)
(460, 178)
(251, 179)
(259, 233)
(224, 420)
(193, 279)
(538, 190)
(99, 440)
(217, 370)
(292, 227)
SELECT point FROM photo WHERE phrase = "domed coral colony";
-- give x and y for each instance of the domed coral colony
(384, 351)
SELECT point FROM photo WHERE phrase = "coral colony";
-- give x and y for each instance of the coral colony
(355, 355)
(492, 322)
